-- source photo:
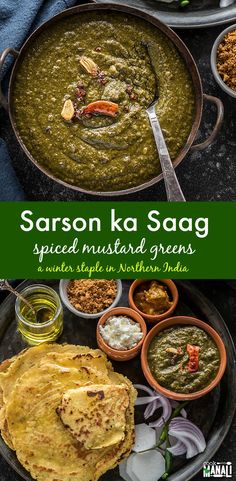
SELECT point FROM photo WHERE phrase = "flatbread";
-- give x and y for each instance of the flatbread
(12, 369)
(34, 386)
(95, 414)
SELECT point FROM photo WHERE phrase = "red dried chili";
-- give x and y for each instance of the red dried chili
(101, 107)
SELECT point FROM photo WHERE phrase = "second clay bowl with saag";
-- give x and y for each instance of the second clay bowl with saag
(183, 358)
(78, 95)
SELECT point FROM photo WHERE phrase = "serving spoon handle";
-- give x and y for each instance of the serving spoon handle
(39, 313)
(173, 189)
(5, 286)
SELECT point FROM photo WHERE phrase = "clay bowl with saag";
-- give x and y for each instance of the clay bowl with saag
(78, 95)
(183, 358)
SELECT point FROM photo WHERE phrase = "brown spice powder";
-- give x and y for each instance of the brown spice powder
(226, 59)
(92, 295)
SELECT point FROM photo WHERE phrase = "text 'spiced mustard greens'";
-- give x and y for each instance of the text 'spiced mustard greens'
(183, 359)
(88, 147)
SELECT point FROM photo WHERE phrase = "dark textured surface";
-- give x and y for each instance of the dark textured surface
(223, 296)
(207, 175)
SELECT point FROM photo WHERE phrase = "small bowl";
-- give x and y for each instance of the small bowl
(176, 321)
(64, 297)
(214, 69)
(116, 354)
(157, 317)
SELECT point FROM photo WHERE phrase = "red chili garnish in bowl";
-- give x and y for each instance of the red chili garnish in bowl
(193, 352)
(100, 107)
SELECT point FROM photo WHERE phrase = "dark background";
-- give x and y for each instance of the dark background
(223, 295)
(207, 175)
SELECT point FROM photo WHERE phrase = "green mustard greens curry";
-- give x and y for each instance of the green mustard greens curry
(114, 58)
(183, 359)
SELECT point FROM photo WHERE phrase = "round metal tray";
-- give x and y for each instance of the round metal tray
(200, 13)
(212, 413)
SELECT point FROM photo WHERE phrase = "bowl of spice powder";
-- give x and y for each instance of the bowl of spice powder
(90, 298)
(223, 60)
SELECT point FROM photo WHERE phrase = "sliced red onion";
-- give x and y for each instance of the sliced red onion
(190, 448)
(190, 428)
(142, 387)
(167, 410)
(152, 400)
(146, 400)
(178, 448)
(151, 408)
(183, 447)
(156, 400)
(189, 434)
(189, 438)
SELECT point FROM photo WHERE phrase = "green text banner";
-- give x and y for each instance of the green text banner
(118, 239)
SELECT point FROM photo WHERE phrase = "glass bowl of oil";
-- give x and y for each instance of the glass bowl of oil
(43, 323)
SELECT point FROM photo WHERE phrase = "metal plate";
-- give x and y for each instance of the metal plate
(200, 13)
(212, 413)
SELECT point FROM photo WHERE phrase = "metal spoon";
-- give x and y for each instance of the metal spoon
(173, 189)
(39, 314)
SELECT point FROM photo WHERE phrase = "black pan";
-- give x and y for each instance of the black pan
(200, 97)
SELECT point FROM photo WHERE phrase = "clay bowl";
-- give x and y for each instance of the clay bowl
(182, 320)
(116, 354)
(157, 317)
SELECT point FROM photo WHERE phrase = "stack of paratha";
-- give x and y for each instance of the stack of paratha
(65, 412)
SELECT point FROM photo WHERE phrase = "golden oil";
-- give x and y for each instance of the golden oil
(47, 324)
